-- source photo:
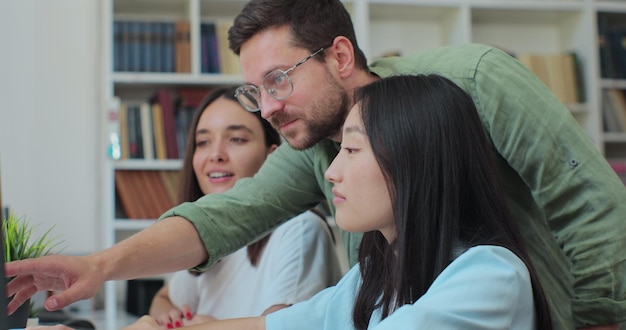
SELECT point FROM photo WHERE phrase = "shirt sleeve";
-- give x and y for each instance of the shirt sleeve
(487, 287)
(303, 261)
(183, 289)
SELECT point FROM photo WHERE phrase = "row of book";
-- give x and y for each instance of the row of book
(614, 110)
(149, 46)
(612, 45)
(559, 71)
(145, 194)
(157, 128)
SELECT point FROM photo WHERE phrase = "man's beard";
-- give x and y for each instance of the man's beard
(326, 118)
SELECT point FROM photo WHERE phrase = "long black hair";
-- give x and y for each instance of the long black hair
(427, 137)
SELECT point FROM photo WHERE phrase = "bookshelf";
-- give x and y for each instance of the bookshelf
(382, 26)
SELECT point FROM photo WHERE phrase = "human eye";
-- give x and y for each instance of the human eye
(349, 150)
(276, 79)
(202, 143)
(238, 139)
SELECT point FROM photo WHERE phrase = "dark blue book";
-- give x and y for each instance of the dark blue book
(124, 46)
(145, 41)
(117, 41)
(617, 39)
(607, 67)
(134, 46)
(155, 48)
(213, 57)
(167, 30)
(204, 50)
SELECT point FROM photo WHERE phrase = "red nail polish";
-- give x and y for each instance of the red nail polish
(177, 324)
(188, 315)
(169, 325)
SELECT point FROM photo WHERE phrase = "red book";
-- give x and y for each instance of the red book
(164, 98)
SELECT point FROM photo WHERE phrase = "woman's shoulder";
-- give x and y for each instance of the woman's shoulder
(308, 222)
(497, 261)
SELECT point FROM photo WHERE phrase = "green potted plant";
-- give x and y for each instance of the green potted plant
(20, 243)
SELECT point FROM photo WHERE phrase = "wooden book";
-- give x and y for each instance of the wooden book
(154, 196)
(171, 181)
(618, 105)
(182, 47)
(570, 78)
(142, 193)
(158, 126)
(556, 82)
(124, 144)
(126, 190)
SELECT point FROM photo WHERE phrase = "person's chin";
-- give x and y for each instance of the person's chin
(299, 141)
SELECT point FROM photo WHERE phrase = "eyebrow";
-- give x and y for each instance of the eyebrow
(231, 128)
(352, 129)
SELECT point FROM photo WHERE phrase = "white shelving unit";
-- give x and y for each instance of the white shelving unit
(404, 26)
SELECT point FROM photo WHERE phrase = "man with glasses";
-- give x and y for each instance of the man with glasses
(301, 62)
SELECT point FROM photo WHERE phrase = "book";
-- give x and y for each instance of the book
(555, 69)
(142, 193)
(610, 116)
(155, 46)
(147, 137)
(164, 99)
(135, 149)
(124, 144)
(124, 46)
(210, 61)
(229, 62)
(167, 46)
(192, 96)
(182, 46)
(134, 43)
(617, 102)
(117, 45)
(612, 45)
(160, 150)
(558, 71)
(171, 182)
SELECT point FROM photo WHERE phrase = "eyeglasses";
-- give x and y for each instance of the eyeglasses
(276, 83)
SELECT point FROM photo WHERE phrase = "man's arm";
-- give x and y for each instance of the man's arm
(166, 246)
(287, 184)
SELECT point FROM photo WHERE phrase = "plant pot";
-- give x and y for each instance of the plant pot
(20, 317)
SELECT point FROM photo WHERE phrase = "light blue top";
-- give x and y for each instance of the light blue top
(487, 287)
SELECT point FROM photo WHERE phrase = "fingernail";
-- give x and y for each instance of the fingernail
(177, 324)
(52, 303)
(169, 325)
(188, 315)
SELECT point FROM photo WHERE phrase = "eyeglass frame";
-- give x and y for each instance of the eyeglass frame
(241, 90)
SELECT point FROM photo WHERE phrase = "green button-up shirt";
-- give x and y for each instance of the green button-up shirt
(570, 205)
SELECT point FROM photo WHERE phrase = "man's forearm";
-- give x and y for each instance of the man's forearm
(169, 245)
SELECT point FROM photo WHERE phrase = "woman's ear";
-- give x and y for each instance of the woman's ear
(272, 148)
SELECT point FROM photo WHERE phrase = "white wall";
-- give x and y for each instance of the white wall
(49, 116)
